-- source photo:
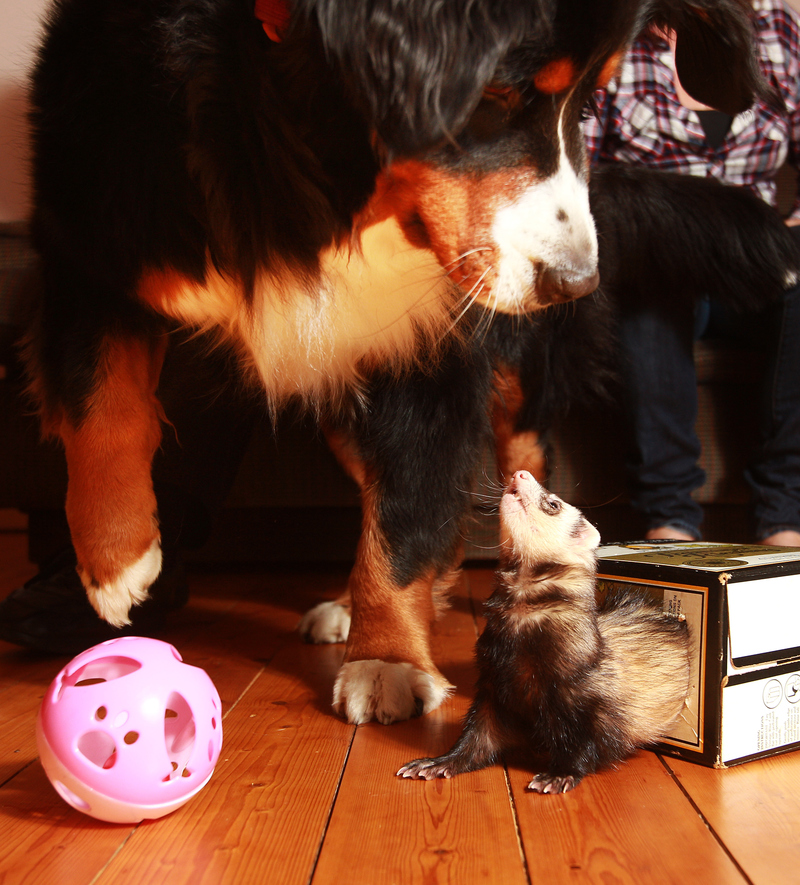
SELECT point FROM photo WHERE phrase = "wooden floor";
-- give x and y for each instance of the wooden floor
(299, 796)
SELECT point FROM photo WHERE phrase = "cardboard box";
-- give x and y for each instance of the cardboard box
(742, 605)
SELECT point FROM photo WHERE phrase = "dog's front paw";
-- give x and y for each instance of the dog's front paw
(326, 622)
(113, 600)
(367, 690)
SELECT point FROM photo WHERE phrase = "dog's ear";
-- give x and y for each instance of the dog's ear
(715, 53)
(418, 67)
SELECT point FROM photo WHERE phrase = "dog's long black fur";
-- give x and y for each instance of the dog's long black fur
(663, 237)
(189, 171)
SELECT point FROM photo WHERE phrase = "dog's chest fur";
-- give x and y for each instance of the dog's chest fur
(373, 305)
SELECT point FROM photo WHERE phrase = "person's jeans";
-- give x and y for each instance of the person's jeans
(662, 407)
(774, 474)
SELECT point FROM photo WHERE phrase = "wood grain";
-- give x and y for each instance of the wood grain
(299, 796)
(754, 810)
(630, 826)
(444, 831)
(263, 815)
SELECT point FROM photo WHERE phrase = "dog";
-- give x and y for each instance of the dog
(331, 188)
(421, 438)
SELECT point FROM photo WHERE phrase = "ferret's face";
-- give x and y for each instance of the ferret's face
(538, 526)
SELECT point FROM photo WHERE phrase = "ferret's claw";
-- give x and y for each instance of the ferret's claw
(425, 769)
(553, 783)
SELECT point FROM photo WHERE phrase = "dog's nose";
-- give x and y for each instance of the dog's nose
(556, 287)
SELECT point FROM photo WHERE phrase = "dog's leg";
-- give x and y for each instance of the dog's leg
(109, 445)
(414, 451)
(371, 686)
(516, 448)
(328, 621)
(388, 672)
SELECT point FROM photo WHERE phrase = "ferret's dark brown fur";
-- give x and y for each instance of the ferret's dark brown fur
(557, 674)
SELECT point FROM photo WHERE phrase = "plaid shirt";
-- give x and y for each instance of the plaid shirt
(641, 121)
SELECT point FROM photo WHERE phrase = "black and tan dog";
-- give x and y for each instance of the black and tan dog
(330, 197)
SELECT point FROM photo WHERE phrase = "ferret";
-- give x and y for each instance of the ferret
(557, 674)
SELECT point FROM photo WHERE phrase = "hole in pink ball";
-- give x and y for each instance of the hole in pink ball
(102, 670)
(70, 798)
(179, 732)
(99, 748)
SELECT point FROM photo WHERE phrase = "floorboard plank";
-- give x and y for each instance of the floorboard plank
(754, 810)
(386, 829)
(630, 826)
(263, 815)
(389, 830)
(45, 841)
(301, 797)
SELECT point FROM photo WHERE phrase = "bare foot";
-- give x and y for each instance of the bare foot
(667, 533)
(786, 538)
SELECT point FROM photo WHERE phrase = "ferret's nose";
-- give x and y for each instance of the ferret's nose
(521, 477)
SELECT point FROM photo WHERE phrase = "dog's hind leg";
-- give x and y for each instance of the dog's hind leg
(110, 438)
(329, 622)
(414, 450)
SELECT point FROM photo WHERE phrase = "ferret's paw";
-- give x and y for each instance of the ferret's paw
(427, 769)
(367, 690)
(553, 783)
(326, 622)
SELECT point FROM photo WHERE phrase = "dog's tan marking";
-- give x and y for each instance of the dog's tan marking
(515, 450)
(388, 622)
(457, 212)
(610, 70)
(378, 303)
(344, 448)
(556, 76)
(110, 505)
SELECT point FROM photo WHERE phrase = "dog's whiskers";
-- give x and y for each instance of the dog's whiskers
(470, 298)
(459, 260)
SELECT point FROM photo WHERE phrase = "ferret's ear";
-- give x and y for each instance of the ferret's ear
(587, 537)
(418, 68)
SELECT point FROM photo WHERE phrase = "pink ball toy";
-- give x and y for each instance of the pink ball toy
(127, 731)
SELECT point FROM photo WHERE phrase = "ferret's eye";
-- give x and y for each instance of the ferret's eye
(551, 505)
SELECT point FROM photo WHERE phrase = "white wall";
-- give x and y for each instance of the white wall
(19, 30)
